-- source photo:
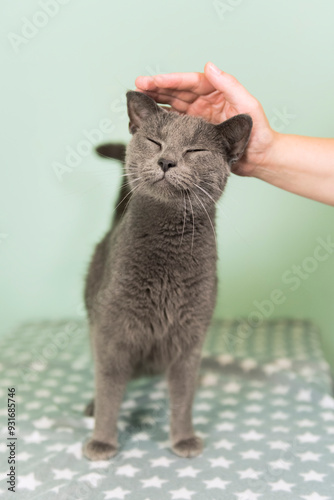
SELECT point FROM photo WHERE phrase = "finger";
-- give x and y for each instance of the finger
(233, 91)
(177, 104)
(194, 82)
(181, 95)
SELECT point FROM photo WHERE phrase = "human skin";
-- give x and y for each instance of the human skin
(299, 164)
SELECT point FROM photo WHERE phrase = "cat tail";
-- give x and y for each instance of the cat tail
(117, 152)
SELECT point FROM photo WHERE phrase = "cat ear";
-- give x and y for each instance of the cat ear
(236, 132)
(140, 107)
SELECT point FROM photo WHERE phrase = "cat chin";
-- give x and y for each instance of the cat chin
(164, 190)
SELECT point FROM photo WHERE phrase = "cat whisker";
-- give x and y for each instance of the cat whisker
(193, 217)
(128, 194)
(199, 187)
(205, 210)
(127, 204)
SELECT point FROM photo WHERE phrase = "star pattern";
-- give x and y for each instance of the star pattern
(153, 482)
(267, 431)
(216, 483)
(281, 485)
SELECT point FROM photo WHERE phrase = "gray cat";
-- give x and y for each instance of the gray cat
(151, 285)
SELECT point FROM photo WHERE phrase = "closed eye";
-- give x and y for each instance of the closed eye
(154, 142)
(195, 150)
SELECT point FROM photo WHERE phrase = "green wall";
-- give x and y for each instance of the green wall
(65, 82)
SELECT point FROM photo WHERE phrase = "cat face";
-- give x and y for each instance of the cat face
(171, 155)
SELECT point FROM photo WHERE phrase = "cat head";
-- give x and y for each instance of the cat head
(171, 155)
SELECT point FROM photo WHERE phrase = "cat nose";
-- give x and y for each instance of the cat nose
(166, 164)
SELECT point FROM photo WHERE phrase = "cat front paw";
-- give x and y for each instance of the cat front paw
(97, 450)
(187, 448)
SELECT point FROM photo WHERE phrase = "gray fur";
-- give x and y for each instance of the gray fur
(151, 285)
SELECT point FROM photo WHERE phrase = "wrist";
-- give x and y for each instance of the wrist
(269, 158)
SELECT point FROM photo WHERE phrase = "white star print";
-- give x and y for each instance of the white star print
(188, 472)
(200, 420)
(252, 435)
(216, 483)
(63, 473)
(161, 462)
(43, 423)
(92, 478)
(256, 395)
(134, 453)
(209, 380)
(56, 447)
(253, 408)
(64, 429)
(249, 474)
(313, 476)
(207, 394)
(253, 421)
(280, 464)
(163, 444)
(157, 395)
(33, 405)
(248, 364)
(283, 363)
(308, 437)
(327, 402)
(331, 448)
(127, 470)
(308, 456)
(203, 407)
(248, 495)
(28, 482)
(280, 389)
(57, 488)
(305, 423)
(99, 464)
(34, 437)
(279, 415)
(269, 369)
(42, 393)
(182, 493)
(220, 462)
(327, 416)
(281, 429)
(225, 359)
(278, 445)
(225, 426)
(140, 436)
(116, 493)
(227, 414)
(304, 395)
(281, 486)
(75, 449)
(303, 408)
(153, 482)
(232, 387)
(224, 443)
(23, 456)
(314, 496)
(251, 454)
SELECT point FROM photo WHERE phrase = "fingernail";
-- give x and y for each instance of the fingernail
(142, 81)
(214, 68)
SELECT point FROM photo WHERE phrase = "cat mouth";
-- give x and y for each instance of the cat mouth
(161, 179)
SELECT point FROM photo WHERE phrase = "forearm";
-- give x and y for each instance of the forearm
(301, 165)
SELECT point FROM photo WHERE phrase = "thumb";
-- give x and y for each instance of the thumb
(233, 91)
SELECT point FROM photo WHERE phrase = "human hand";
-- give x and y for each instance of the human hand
(215, 96)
